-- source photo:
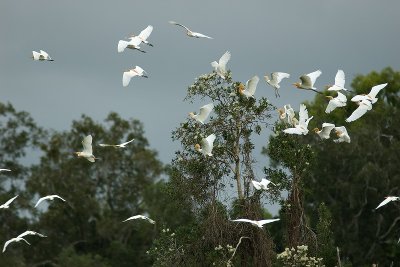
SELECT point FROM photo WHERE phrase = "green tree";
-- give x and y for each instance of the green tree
(201, 183)
(352, 179)
(88, 228)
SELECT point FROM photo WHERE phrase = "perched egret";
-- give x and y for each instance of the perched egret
(143, 35)
(118, 146)
(132, 44)
(339, 101)
(189, 32)
(341, 132)
(87, 149)
(259, 224)
(371, 96)
(7, 204)
(387, 200)
(50, 197)
(220, 66)
(251, 86)
(206, 145)
(42, 55)
(302, 126)
(325, 131)
(127, 76)
(276, 78)
(204, 113)
(140, 217)
(20, 238)
(363, 106)
(339, 82)
(263, 185)
(308, 80)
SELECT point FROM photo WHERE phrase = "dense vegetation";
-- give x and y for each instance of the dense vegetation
(332, 189)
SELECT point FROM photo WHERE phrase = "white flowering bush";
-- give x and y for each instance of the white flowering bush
(297, 257)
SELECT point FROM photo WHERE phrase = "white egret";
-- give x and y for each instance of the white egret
(132, 44)
(263, 185)
(371, 96)
(189, 32)
(203, 114)
(206, 145)
(308, 80)
(20, 238)
(387, 200)
(276, 78)
(339, 82)
(7, 204)
(49, 197)
(143, 35)
(259, 224)
(251, 86)
(220, 66)
(288, 112)
(118, 146)
(363, 106)
(341, 132)
(302, 126)
(324, 133)
(87, 149)
(127, 76)
(339, 101)
(42, 55)
(140, 217)
(5, 170)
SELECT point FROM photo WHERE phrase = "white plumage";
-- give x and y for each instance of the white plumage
(339, 82)
(387, 200)
(262, 185)
(189, 32)
(133, 43)
(324, 133)
(251, 86)
(42, 55)
(7, 204)
(276, 78)
(49, 197)
(203, 114)
(140, 217)
(339, 101)
(308, 81)
(371, 96)
(87, 149)
(207, 145)
(363, 106)
(342, 135)
(220, 66)
(123, 145)
(259, 224)
(302, 126)
(144, 35)
(20, 238)
(127, 75)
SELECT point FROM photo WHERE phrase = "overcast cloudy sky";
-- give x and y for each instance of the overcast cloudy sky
(292, 36)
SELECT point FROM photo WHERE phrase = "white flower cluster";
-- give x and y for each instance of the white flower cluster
(298, 257)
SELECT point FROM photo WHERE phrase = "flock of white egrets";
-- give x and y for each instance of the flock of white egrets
(287, 114)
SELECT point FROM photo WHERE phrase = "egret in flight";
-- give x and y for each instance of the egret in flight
(341, 132)
(42, 55)
(371, 96)
(324, 133)
(363, 106)
(206, 145)
(251, 86)
(276, 78)
(339, 101)
(87, 152)
(203, 114)
(140, 217)
(339, 82)
(263, 185)
(259, 224)
(387, 200)
(20, 238)
(308, 80)
(7, 204)
(127, 76)
(220, 66)
(5, 170)
(189, 32)
(123, 145)
(302, 126)
(143, 35)
(49, 197)
(132, 44)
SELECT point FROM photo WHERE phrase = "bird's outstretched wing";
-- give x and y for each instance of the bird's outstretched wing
(331, 106)
(44, 54)
(124, 144)
(126, 77)
(293, 131)
(303, 114)
(327, 128)
(341, 97)
(176, 23)
(251, 85)
(340, 79)
(256, 185)
(383, 203)
(10, 200)
(208, 143)
(87, 144)
(262, 222)
(204, 112)
(30, 233)
(7, 243)
(375, 90)
(360, 111)
(224, 60)
(146, 33)
(197, 34)
(41, 200)
(243, 220)
(313, 76)
(278, 76)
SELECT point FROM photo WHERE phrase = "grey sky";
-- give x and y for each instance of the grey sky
(291, 36)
